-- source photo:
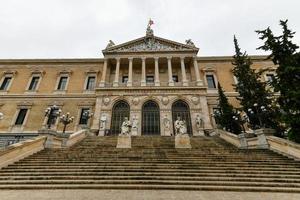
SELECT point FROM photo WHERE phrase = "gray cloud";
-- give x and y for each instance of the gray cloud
(79, 29)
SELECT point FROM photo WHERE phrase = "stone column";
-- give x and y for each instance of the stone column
(129, 83)
(116, 81)
(183, 72)
(157, 82)
(199, 82)
(171, 82)
(102, 82)
(143, 78)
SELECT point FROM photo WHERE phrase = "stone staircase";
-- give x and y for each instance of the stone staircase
(154, 163)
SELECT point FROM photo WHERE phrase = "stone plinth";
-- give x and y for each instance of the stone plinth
(124, 141)
(199, 132)
(243, 141)
(183, 141)
(262, 142)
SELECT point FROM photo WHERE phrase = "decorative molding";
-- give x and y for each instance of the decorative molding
(10, 72)
(86, 103)
(25, 104)
(65, 71)
(92, 71)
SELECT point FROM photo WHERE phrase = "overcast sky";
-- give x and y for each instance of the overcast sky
(82, 28)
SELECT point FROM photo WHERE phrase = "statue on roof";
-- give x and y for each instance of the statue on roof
(110, 44)
(189, 42)
(149, 31)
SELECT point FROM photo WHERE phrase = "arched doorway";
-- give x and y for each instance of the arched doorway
(120, 110)
(181, 109)
(150, 118)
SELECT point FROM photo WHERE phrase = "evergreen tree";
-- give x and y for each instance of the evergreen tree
(287, 81)
(253, 96)
(225, 115)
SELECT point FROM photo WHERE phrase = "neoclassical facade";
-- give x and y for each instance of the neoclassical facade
(150, 80)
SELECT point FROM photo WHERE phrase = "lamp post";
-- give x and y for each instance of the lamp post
(52, 113)
(65, 120)
(259, 111)
(87, 115)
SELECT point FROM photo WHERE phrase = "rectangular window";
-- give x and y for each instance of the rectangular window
(210, 81)
(90, 85)
(5, 83)
(83, 116)
(175, 78)
(149, 79)
(62, 83)
(21, 116)
(34, 82)
(124, 79)
(270, 77)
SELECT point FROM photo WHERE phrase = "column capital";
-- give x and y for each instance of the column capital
(156, 58)
(118, 59)
(182, 58)
(169, 57)
(130, 58)
(143, 58)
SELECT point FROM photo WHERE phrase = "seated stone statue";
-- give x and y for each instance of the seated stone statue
(126, 127)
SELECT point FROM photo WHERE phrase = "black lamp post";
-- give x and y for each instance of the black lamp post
(87, 115)
(258, 111)
(65, 120)
(52, 113)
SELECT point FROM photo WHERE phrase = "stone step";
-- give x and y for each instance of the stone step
(153, 187)
(177, 174)
(155, 182)
(149, 169)
(148, 177)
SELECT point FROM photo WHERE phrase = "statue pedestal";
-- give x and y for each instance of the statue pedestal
(101, 132)
(124, 142)
(134, 132)
(199, 132)
(182, 142)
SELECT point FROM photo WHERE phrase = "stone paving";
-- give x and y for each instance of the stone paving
(140, 195)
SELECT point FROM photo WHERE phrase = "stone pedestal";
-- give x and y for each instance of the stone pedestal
(199, 132)
(243, 141)
(261, 134)
(134, 131)
(101, 132)
(124, 142)
(182, 142)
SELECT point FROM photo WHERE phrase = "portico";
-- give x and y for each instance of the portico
(151, 81)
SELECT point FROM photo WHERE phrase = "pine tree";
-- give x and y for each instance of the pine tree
(226, 113)
(253, 96)
(287, 81)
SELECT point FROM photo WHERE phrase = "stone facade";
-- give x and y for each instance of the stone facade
(148, 68)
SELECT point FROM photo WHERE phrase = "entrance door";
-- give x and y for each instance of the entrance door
(150, 119)
(120, 110)
(182, 110)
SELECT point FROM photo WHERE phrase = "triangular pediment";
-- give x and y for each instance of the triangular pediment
(150, 44)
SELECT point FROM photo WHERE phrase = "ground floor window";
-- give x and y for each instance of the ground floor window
(150, 118)
(182, 110)
(120, 110)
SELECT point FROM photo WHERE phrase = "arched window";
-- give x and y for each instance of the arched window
(120, 110)
(150, 118)
(181, 109)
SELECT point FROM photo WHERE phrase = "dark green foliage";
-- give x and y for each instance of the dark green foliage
(287, 81)
(252, 91)
(225, 114)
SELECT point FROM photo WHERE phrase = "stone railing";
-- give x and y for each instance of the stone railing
(57, 141)
(18, 151)
(285, 147)
(276, 144)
